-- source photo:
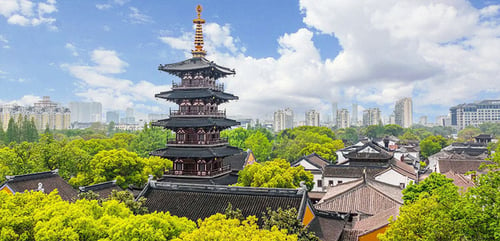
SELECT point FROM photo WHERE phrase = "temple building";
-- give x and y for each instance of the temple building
(197, 150)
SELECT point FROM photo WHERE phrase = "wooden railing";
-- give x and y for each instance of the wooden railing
(199, 173)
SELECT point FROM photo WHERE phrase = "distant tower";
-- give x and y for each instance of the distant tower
(403, 112)
(198, 149)
(371, 116)
(312, 118)
(343, 119)
(334, 113)
(354, 114)
(283, 119)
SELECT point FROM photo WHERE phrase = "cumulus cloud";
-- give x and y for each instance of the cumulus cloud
(26, 100)
(137, 17)
(29, 13)
(439, 52)
(98, 82)
(4, 42)
(71, 48)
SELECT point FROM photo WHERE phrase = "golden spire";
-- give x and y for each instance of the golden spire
(198, 52)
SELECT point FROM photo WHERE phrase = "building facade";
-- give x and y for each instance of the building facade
(354, 114)
(312, 118)
(403, 112)
(85, 112)
(283, 119)
(113, 116)
(371, 116)
(343, 119)
(335, 108)
(474, 114)
(197, 150)
(45, 113)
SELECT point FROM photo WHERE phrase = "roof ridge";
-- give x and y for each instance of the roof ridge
(227, 189)
(31, 176)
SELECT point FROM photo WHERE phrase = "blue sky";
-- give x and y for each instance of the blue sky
(299, 54)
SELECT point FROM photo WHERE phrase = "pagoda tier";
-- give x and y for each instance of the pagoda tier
(198, 64)
(205, 94)
(182, 122)
(198, 149)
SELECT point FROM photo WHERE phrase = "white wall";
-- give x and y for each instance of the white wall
(394, 178)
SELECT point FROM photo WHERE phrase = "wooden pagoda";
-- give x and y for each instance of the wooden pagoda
(198, 149)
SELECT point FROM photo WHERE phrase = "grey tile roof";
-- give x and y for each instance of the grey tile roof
(460, 166)
(315, 159)
(381, 153)
(201, 201)
(104, 189)
(196, 152)
(198, 122)
(192, 93)
(351, 171)
(50, 180)
(363, 196)
(191, 64)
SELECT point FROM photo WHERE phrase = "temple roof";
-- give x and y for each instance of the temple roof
(195, 94)
(197, 64)
(369, 151)
(49, 181)
(200, 201)
(104, 189)
(196, 152)
(199, 122)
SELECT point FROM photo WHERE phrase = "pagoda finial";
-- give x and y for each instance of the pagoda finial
(198, 52)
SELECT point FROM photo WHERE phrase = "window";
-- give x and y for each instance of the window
(320, 183)
(339, 182)
(178, 166)
(202, 167)
(330, 183)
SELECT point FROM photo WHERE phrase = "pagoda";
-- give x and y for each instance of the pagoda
(198, 149)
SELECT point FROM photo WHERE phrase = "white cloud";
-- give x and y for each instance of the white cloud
(98, 82)
(71, 48)
(103, 6)
(26, 100)
(4, 42)
(29, 13)
(439, 52)
(137, 17)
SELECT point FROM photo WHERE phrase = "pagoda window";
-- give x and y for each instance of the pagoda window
(202, 166)
(178, 165)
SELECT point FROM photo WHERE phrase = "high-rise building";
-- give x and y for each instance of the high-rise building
(354, 114)
(403, 112)
(129, 117)
(85, 112)
(198, 149)
(45, 113)
(334, 113)
(343, 119)
(283, 119)
(371, 116)
(312, 118)
(474, 114)
(423, 120)
(443, 120)
(113, 116)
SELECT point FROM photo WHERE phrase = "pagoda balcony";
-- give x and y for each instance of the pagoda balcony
(214, 172)
(217, 142)
(216, 87)
(217, 113)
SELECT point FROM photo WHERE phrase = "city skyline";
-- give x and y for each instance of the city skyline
(277, 48)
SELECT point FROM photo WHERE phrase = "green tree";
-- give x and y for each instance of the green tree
(428, 186)
(149, 139)
(219, 227)
(393, 130)
(2, 134)
(490, 128)
(468, 133)
(349, 135)
(374, 131)
(12, 134)
(326, 150)
(287, 220)
(276, 173)
(408, 136)
(260, 145)
(236, 137)
(432, 145)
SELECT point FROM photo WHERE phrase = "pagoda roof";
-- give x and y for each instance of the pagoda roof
(196, 152)
(196, 64)
(185, 122)
(193, 93)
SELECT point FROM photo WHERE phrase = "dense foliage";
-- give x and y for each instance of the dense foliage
(436, 209)
(275, 173)
(432, 145)
(39, 216)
